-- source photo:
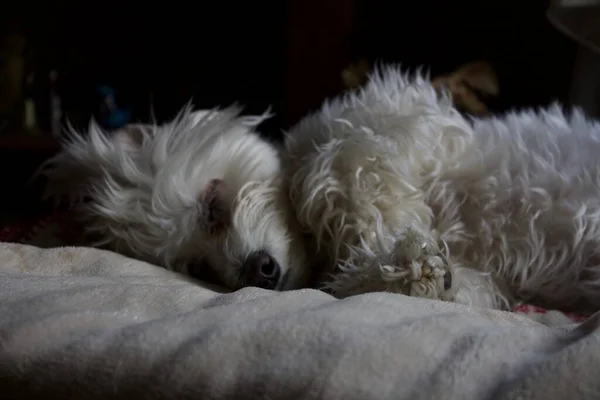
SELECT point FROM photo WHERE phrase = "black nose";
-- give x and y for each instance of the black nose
(261, 270)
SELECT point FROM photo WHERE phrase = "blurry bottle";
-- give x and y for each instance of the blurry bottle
(30, 124)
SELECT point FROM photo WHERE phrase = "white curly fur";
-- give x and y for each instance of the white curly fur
(391, 187)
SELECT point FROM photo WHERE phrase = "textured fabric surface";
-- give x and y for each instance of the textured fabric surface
(84, 323)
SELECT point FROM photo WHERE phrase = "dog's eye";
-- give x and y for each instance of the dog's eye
(213, 211)
(202, 270)
(215, 205)
(216, 215)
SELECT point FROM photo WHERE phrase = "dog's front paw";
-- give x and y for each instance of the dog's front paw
(418, 265)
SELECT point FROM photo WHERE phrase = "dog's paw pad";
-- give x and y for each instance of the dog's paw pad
(419, 265)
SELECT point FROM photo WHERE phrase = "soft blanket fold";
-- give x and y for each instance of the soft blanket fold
(83, 323)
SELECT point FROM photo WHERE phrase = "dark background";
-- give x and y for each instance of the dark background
(286, 55)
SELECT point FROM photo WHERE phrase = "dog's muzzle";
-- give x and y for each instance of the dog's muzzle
(261, 270)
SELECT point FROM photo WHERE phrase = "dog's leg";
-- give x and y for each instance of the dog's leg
(416, 266)
(413, 265)
(417, 261)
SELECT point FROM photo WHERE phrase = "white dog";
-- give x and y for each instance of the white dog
(389, 188)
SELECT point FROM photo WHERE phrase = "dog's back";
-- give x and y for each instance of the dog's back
(527, 198)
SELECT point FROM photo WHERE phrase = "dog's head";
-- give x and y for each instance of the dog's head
(202, 192)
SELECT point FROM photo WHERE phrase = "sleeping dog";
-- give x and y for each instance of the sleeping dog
(385, 189)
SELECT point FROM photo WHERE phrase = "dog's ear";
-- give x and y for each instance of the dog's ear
(215, 212)
(129, 137)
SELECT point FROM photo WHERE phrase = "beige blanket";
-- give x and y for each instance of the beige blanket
(87, 324)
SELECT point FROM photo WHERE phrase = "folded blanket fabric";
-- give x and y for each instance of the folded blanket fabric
(84, 323)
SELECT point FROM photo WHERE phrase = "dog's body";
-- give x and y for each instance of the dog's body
(386, 189)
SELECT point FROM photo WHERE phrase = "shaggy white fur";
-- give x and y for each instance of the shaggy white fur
(391, 188)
